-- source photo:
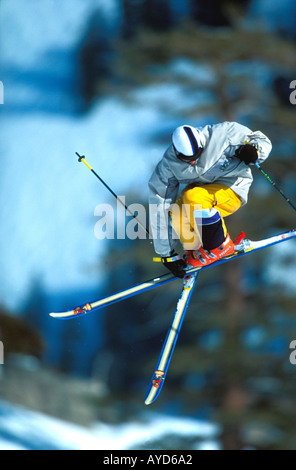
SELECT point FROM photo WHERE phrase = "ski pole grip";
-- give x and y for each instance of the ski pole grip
(80, 157)
(169, 259)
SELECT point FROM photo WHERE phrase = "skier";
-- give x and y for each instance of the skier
(214, 162)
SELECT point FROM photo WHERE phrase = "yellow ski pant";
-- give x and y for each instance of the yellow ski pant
(199, 198)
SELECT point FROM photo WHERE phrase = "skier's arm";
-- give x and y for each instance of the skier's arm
(261, 143)
(253, 146)
(163, 190)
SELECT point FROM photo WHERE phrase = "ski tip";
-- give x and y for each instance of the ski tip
(57, 315)
(54, 315)
(63, 315)
(147, 402)
(150, 397)
(77, 312)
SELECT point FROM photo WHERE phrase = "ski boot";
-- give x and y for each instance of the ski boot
(200, 258)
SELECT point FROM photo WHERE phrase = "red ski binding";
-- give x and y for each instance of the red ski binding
(239, 238)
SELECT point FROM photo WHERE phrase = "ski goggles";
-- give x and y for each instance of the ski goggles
(188, 158)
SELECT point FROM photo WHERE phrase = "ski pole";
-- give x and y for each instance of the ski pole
(275, 186)
(81, 158)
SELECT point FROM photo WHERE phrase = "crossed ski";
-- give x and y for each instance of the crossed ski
(244, 247)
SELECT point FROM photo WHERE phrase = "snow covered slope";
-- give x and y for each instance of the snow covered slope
(21, 429)
(48, 198)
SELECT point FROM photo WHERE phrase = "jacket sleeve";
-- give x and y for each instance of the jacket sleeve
(262, 143)
(240, 134)
(163, 190)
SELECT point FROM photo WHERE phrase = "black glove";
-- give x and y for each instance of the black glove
(247, 153)
(175, 264)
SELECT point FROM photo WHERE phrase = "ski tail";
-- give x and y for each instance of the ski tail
(164, 359)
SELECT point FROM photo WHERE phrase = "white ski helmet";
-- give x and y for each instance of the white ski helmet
(188, 143)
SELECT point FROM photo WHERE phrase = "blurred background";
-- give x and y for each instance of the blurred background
(111, 79)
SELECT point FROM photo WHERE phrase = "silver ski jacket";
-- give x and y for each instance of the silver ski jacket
(217, 163)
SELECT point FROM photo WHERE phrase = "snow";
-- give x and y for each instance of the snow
(163, 95)
(202, 74)
(22, 429)
(50, 199)
(46, 26)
